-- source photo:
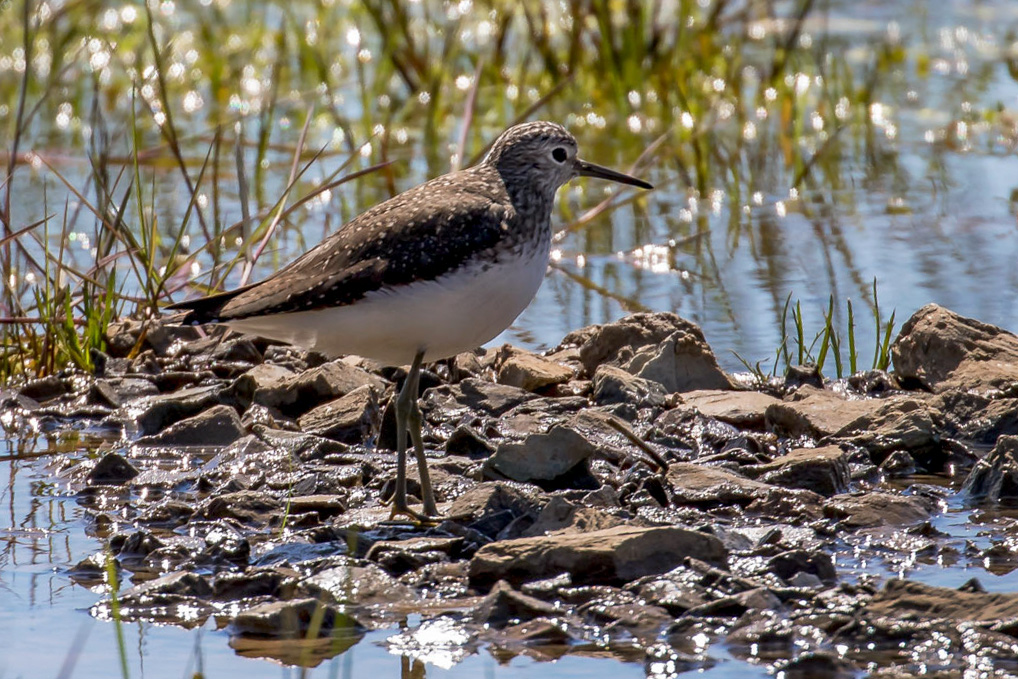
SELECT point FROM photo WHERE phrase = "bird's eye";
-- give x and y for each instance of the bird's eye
(559, 154)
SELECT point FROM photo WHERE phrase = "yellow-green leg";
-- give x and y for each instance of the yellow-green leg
(409, 419)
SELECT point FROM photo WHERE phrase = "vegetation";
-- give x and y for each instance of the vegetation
(155, 147)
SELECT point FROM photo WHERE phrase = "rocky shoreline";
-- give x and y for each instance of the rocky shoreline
(241, 481)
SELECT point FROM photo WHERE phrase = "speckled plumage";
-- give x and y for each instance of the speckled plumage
(480, 222)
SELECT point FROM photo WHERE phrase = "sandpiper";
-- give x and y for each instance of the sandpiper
(437, 270)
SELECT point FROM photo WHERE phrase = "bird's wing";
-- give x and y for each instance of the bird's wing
(420, 234)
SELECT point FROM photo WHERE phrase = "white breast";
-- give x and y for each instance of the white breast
(443, 317)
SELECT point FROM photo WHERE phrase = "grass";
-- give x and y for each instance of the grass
(203, 146)
(829, 343)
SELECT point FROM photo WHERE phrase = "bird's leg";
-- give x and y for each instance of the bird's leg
(406, 401)
(414, 421)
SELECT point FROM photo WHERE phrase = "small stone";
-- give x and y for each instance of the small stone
(614, 385)
(822, 470)
(745, 409)
(995, 477)
(787, 564)
(297, 394)
(540, 457)
(898, 464)
(292, 619)
(874, 508)
(530, 372)
(113, 470)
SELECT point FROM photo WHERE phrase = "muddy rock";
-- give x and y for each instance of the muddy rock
(788, 564)
(178, 583)
(821, 470)
(119, 391)
(940, 350)
(874, 508)
(683, 362)
(246, 506)
(543, 457)
(905, 599)
(617, 342)
(618, 554)
(351, 418)
(356, 583)
(452, 402)
(519, 368)
(217, 426)
(155, 413)
(898, 423)
(491, 507)
(995, 477)
(560, 514)
(504, 604)
(977, 418)
(401, 556)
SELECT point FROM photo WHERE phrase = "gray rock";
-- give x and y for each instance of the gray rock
(400, 556)
(246, 506)
(112, 469)
(618, 554)
(119, 391)
(787, 564)
(350, 419)
(560, 514)
(494, 497)
(155, 413)
(941, 350)
(528, 371)
(503, 604)
(897, 423)
(821, 470)
(710, 487)
(898, 464)
(297, 394)
(356, 583)
(614, 385)
(540, 457)
(449, 403)
(995, 477)
(617, 342)
(218, 426)
(179, 583)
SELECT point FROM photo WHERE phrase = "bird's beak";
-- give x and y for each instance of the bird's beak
(585, 169)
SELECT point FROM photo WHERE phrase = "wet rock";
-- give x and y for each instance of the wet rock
(45, 388)
(821, 470)
(682, 362)
(677, 591)
(898, 464)
(492, 506)
(995, 477)
(617, 554)
(246, 506)
(898, 423)
(940, 350)
(816, 413)
(977, 418)
(451, 402)
(400, 556)
(873, 508)
(112, 469)
(643, 621)
(812, 664)
(540, 457)
(560, 514)
(295, 395)
(218, 426)
(504, 604)
(292, 619)
(326, 506)
(739, 408)
(119, 391)
(155, 413)
(180, 583)
(905, 599)
(468, 442)
(617, 342)
(352, 418)
(614, 385)
(709, 487)
(353, 583)
(787, 564)
(801, 375)
(254, 582)
(519, 368)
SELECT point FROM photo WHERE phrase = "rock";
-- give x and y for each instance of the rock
(816, 413)
(352, 418)
(898, 464)
(297, 394)
(493, 498)
(977, 418)
(682, 362)
(504, 604)
(995, 477)
(468, 442)
(179, 583)
(112, 469)
(325, 505)
(940, 350)
(540, 457)
(254, 582)
(452, 402)
(907, 600)
(615, 385)
(119, 391)
(787, 564)
(155, 413)
(246, 506)
(800, 375)
(618, 554)
(401, 556)
(351, 583)
(873, 508)
(821, 470)
(217, 426)
(617, 342)
(519, 368)
(560, 514)
(292, 619)
(45, 388)
(898, 423)
(744, 409)
(709, 487)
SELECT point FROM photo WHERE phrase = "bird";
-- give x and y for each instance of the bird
(437, 270)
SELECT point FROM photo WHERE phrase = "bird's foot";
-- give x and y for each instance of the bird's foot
(416, 517)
